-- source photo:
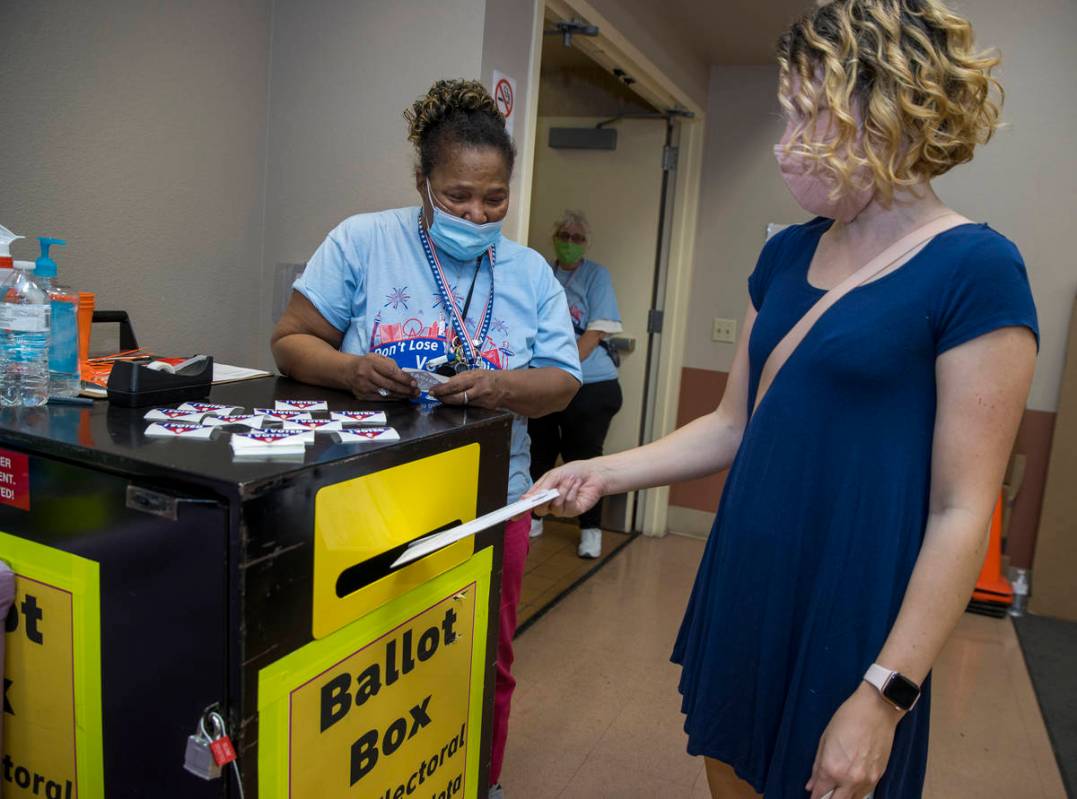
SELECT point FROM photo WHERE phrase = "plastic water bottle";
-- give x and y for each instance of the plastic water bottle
(24, 340)
(63, 325)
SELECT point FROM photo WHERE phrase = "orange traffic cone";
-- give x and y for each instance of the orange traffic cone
(993, 594)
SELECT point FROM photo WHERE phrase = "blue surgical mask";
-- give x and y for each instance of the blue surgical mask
(459, 238)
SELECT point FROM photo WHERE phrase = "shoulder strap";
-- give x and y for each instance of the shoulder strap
(895, 252)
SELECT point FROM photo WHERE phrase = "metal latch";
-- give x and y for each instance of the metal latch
(154, 502)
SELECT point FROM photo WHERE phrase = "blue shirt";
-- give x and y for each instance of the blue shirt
(593, 306)
(370, 279)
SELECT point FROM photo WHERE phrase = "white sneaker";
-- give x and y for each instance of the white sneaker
(590, 543)
(496, 792)
(536, 527)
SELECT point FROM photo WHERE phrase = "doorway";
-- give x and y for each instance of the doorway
(603, 149)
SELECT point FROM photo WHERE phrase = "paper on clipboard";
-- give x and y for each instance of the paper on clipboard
(432, 543)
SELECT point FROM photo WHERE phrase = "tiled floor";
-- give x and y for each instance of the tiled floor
(596, 712)
(553, 565)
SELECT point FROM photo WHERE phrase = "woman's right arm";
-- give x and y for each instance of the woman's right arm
(307, 348)
(704, 446)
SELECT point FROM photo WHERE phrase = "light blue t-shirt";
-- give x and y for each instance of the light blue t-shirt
(593, 306)
(370, 279)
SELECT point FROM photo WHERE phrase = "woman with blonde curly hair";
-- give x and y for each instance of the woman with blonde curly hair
(888, 349)
(390, 297)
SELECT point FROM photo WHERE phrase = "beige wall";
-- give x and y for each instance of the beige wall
(185, 149)
(1022, 183)
(134, 130)
(741, 192)
(511, 28)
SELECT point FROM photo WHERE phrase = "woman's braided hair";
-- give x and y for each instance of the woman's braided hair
(456, 113)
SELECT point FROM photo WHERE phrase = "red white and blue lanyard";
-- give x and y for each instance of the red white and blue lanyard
(472, 351)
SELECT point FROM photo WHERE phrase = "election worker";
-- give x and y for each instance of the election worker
(579, 431)
(887, 354)
(438, 286)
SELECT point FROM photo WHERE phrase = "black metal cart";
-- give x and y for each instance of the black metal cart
(158, 578)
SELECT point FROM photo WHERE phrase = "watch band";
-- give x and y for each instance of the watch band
(878, 676)
(894, 687)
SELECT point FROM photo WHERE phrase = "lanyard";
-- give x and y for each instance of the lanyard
(471, 347)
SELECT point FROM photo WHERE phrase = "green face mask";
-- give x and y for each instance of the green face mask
(568, 252)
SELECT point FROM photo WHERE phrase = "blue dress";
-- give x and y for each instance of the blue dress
(826, 503)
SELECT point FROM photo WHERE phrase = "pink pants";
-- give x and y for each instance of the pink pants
(517, 543)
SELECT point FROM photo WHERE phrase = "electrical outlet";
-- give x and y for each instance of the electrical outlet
(725, 330)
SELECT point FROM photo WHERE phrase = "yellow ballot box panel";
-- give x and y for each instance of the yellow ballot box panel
(389, 705)
(362, 525)
(52, 675)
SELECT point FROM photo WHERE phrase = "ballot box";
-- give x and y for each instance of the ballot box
(171, 590)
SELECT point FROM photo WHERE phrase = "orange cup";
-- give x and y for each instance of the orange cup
(87, 302)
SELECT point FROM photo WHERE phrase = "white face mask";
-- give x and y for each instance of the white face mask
(813, 190)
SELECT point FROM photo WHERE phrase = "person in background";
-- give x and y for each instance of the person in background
(438, 282)
(579, 431)
(863, 475)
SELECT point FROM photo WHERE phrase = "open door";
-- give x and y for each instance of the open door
(642, 216)
(621, 192)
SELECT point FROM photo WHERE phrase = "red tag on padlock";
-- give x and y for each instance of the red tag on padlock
(223, 751)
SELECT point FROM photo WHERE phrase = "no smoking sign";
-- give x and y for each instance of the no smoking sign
(504, 93)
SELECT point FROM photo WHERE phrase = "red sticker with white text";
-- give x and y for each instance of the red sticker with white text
(14, 479)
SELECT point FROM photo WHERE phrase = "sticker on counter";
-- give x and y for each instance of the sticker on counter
(173, 415)
(211, 408)
(302, 405)
(283, 416)
(180, 430)
(360, 417)
(14, 479)
(390, 705)
(244, 419)
(52, 677)
(266, 441)
(316, 425)
(362, 434)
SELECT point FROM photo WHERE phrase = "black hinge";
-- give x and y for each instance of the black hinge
(669, 158)
(654, 321)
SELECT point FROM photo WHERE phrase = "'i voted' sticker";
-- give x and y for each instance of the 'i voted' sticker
(271, 438)
(283, 416)
(365, 434)
(173, 415)
(245, 419)
(360, 417)
(316, 425)
(179, 430)
(302, 405)
(270, 443)
(210, 407)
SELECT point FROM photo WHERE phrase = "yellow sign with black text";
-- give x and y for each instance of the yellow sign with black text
(52, 676)
(390, 706)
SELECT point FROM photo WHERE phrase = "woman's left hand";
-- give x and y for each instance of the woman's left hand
(482, 388)
(855, 747)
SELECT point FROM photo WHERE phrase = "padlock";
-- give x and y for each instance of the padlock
(200, 759)
(223, 751)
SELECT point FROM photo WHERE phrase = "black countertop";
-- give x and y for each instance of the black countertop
(112, 438)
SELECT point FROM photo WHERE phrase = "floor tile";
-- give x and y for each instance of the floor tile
(596, 710)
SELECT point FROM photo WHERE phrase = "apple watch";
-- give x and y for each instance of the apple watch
(896, 688)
